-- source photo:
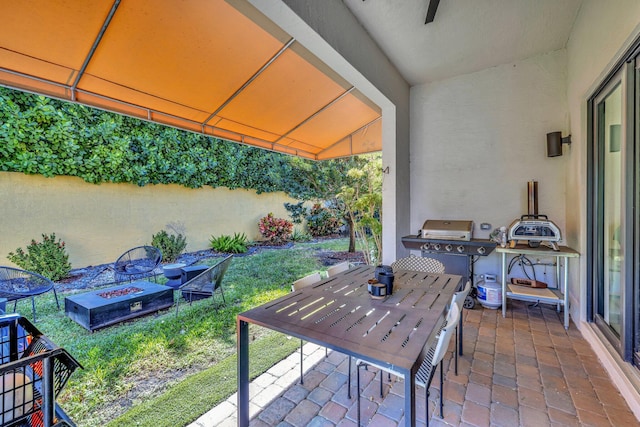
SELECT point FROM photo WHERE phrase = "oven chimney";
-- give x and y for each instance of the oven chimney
(532, 199)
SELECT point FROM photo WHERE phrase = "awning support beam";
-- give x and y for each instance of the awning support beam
(248, 82)
(96, 42)
(342, 95)
(350, 136)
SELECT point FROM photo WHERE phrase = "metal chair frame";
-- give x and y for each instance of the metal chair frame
(16, 284)
(206, 283)
(426, 372)
(137, 263)
(458, 301)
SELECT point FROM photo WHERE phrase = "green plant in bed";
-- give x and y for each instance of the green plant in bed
(236, 244)
(171, 245)
(48, 257)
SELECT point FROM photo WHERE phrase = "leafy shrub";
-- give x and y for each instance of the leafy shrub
(322, 221)
(235, 245)
(171, 245)
(297, 211)
(48, 258)
(300, 236)
(275, 230)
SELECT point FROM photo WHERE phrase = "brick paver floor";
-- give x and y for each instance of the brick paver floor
(522, 370)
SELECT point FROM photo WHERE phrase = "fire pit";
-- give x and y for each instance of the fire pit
(120, 292)
(104, 307)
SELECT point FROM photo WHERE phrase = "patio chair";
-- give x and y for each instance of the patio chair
(418, 263)
(458, 301)
(425, 374)
(137, 263)
(16, 284)
(338, 268)
(205, 284)
(299, 284)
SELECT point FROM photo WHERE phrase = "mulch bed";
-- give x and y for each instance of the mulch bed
(99, 275)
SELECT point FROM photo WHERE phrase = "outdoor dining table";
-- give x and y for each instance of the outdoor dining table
(339, 313)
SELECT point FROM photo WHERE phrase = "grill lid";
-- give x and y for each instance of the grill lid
(447, 229)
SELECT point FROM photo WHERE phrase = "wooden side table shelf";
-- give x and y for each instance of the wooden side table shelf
(558, 296)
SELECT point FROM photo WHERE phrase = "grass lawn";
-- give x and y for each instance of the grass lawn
(163, 370)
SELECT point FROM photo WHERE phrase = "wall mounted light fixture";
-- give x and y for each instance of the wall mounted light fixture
(554, 143)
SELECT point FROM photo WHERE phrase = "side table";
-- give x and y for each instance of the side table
(558, 296)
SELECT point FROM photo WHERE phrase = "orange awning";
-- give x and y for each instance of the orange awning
(209, 66)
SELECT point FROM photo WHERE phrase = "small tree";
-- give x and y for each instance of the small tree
(363, 204)
(322, 181)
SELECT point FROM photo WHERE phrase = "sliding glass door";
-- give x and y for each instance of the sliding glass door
(613, 203)
(610, 209)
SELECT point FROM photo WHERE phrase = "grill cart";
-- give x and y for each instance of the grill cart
(33, 371)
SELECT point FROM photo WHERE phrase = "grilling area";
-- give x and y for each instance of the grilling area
(520, 349)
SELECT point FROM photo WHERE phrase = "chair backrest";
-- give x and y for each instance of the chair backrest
(305, 281)
(209, 280)
(338, 268)
(459, 297)
(138, 259)
(445, 335)
(16, 283)
(418, 263)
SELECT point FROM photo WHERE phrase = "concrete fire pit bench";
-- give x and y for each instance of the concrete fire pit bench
(104, 307)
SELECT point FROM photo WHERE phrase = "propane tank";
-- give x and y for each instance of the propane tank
(489, 291)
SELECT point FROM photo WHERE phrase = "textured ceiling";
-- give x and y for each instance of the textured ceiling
(466, 35)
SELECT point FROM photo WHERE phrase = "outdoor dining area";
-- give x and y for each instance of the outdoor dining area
(522, 369)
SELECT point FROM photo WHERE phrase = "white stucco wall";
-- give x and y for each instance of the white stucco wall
(477, 139)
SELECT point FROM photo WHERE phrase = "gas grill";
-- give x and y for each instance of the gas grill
(452, 243)
(447, 230)
(452, 237)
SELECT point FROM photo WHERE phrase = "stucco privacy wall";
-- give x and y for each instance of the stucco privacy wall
(99, 222)
(477, 139)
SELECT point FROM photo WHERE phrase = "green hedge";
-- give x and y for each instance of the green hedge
(40, 135)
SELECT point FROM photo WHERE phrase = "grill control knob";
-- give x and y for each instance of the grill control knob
(460, 249)
(436, 246)
(448, 248)
(481, 250)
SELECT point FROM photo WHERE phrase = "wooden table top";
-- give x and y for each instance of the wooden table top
(339, 313)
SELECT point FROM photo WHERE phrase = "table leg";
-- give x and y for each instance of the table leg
(460, 334)
(409, 399)
(243, 373)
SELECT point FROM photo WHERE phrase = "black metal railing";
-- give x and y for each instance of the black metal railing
(33, 372)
